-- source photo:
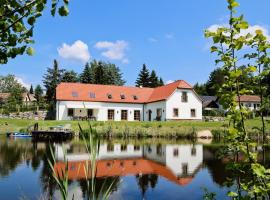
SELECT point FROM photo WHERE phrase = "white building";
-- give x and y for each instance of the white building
(174, 101)
(252, 102)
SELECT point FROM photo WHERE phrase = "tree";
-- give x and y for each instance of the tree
(15, 97)
(200, 89)
(8, 83)
(143, 77)
(153, 80)
(102, 73)
(31, 90)
(215, 81)
(87, 74)
(160, 82)
(70, 76)
(50, 80)
(17, 21)
(38, 94)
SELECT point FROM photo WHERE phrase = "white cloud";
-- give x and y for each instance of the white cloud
(169, 36)
(151, 39)
(169, 81)
(251, 29)
(22, 82)
(77, 51)
(113, 50)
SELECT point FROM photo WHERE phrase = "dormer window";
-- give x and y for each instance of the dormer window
(74, 94)
(109, 96)
(92, 95)
(122, 96)
(135, 97)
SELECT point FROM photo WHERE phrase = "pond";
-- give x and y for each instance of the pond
(139, 169)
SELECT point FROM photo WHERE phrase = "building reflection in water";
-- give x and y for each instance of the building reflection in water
(176, 163)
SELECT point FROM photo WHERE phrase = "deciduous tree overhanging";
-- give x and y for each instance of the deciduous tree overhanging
(146, 79)
(17, 22)
(240, 56)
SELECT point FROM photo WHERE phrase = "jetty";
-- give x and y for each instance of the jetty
(55, 133)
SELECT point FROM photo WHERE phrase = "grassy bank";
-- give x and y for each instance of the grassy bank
(156, 129)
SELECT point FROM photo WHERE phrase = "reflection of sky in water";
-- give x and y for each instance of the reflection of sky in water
(22, 179)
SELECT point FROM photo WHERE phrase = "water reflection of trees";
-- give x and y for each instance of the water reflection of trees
(145, 181)
(13, 153)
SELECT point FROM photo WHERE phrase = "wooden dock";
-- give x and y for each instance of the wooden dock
(52, 135)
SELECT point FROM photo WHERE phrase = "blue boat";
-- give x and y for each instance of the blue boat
(19, 134)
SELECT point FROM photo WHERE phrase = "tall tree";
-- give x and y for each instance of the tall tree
(70, 77)
(99, 73)
(87, 75)
(143, 77)
(50, 80)
(153, 80)
(15, 98)
(17, 22)
(31, 90)
(215, 81)
(160, 82)
(200, 89)
(38, 94)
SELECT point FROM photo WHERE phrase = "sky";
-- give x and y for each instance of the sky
(166, 35)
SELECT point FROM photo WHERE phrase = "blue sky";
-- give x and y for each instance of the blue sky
(167, 35)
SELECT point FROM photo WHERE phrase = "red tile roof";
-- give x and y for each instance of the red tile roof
(249, 98)
(144, 95)
(123, 167)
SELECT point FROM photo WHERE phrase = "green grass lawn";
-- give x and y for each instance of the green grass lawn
(132, 128)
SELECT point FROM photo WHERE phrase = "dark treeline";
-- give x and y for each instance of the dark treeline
(146, 79)
(218, 77)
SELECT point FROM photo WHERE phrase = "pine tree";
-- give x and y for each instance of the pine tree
(50, 80)
(153, 80)
(38, 94)
(87, 74)
(31, 91)
(69, 77)
(99, 72)
(143, 77)
(160, 82)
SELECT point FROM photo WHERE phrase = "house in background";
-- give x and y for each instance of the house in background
(174, 101)
(27, 98)
(210, 102)
(252, 102)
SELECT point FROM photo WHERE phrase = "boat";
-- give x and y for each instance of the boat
(18, 134)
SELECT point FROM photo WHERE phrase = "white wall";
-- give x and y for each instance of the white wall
(250, 105)
(153, 107)
(175, 101)
(100, 109)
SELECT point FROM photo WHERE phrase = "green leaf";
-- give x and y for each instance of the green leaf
(63, 11)
(232, 194)
(234, 4)
(31, 20)
(30, 51)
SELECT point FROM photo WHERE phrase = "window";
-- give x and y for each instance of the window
(123, 147)
(193, 113)
(137, 115)
(92, 95)
(185, 169)
(175, 152)
(74, 94)
(175, 112)
(184, 97)
(159, 113)
(70, 112)
(124, 114)
(110, 147)
(137, 148)
(122, 96)
(109, 96)
(110, 114)
(135, 97)
(193, 151)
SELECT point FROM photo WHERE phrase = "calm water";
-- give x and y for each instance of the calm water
(152, 170)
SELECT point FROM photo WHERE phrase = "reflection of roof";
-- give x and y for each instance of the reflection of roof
(249, 98)
(99, 93)
(111, 168)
